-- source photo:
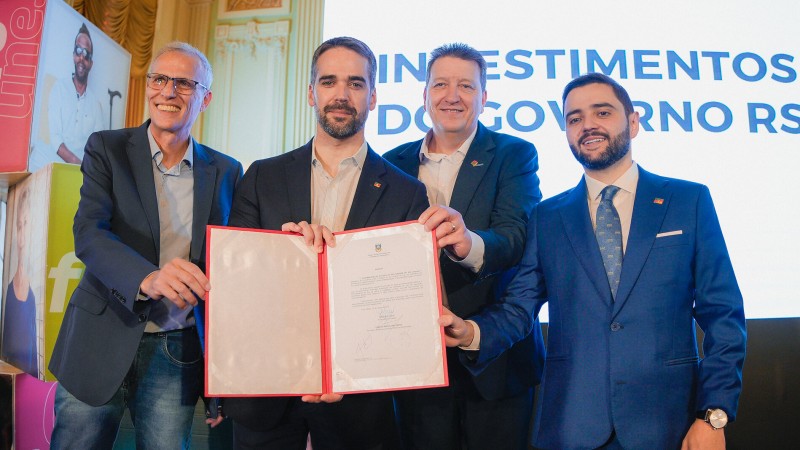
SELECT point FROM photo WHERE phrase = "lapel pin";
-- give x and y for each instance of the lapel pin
(376, 184)
(658, 201)
(475, 163)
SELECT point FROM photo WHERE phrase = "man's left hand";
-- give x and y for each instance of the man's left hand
(457, 331)
(702, 437)
(451, 231)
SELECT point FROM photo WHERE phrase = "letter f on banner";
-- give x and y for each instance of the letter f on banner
(62, 274)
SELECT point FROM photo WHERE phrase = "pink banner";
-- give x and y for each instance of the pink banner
(34, 416)
(21, 25)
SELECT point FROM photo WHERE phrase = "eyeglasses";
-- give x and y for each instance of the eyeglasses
(81, 51)
(182, 85)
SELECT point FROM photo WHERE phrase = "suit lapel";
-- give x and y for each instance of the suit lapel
(408, 159)
(141, 162)
(645, 223)
(578, 226)
(204, 183)
(371, 186)
(476, 163)
(298, 182)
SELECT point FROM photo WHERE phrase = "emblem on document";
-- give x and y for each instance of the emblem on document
(378, 248)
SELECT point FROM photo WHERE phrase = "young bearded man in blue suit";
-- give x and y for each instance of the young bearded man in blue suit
(335, 182)
(628, 261)
(129, 338)
(482, 186)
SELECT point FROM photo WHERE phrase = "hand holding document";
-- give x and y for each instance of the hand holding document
(361, 316)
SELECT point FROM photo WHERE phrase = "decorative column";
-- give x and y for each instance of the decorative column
(246, 118)
(195, 31)
(300, 121)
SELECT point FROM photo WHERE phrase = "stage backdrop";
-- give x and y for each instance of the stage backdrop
(715, 83)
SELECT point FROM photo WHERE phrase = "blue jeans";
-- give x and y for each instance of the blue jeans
(161, 390)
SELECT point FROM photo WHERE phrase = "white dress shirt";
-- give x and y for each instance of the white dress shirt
(438, 172)
(73, 117)
(332, 197)
(623, 200)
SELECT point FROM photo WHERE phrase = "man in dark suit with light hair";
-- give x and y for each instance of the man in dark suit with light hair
(129, 338)
(482, 186)
(334, 182)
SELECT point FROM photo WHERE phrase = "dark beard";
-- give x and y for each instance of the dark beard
(340, 130)
(616, 149)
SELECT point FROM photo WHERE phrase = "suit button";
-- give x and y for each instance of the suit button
(616, 326)
(142, 318)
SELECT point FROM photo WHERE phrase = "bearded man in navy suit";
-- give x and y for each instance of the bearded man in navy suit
(628, 262)
(334, 182)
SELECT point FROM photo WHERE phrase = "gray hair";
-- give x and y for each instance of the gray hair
(183, 47)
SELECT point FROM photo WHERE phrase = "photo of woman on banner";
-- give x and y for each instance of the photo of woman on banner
(19, 306)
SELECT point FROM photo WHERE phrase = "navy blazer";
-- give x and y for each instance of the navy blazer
(116, 233)
(496, 188)
(629, 365)
(277, 190)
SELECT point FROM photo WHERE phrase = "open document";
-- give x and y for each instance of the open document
(359, 317)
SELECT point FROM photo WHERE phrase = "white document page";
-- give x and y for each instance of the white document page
(384, 305)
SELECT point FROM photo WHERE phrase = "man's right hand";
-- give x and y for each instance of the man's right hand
(314, 235)
(179, 281)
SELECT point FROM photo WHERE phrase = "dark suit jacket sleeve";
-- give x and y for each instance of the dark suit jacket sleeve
(517, 193)
(245, 208)
(720, 313)
(116, 264)
(510, 320)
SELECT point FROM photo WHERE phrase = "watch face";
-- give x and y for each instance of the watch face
(718, 418)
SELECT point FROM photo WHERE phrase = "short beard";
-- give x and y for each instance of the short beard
(616, 149)
(340, 130)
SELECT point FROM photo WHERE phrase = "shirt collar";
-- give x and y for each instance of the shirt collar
(157, 155)
(462, 151)
(357, 159)
(627, 182)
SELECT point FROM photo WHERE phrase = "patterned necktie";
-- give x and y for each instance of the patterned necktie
(609, 237)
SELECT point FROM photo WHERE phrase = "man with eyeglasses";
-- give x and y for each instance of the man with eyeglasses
(74, 111)
(128, 338)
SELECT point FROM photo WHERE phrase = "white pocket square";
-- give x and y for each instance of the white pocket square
(669, 233)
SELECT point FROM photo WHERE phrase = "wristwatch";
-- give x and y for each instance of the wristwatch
(717, 418)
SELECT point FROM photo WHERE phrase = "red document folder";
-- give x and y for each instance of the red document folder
(362, 316)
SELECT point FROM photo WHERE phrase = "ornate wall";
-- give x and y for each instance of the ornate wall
(246, 117)
(261, 66)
